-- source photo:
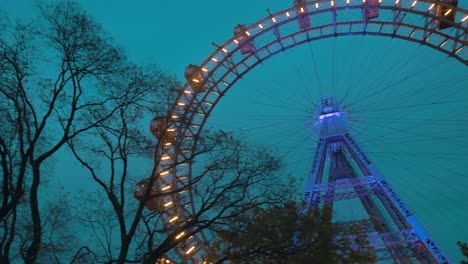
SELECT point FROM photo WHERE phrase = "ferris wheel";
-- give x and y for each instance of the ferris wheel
(440, 26)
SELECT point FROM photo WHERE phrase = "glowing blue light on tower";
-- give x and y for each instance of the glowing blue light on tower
(329, 108)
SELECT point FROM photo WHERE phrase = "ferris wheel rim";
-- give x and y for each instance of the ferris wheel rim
(184, 123)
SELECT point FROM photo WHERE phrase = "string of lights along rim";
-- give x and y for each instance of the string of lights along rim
(394, 232)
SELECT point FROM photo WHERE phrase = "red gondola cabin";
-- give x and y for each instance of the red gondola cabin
(154, 204)
(371, 10)
(243, 39)
(159, 129)
(303, 20)
(194, 76)
(447, 12)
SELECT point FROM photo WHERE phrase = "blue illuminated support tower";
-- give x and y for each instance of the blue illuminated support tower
(343, 176)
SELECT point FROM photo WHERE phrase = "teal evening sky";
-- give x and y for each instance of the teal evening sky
(405, 103)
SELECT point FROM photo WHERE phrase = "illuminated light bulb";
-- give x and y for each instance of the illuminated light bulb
(171, 129)
(464, 19)
(347, 2)
(448, 12)
(260, 26)
(167, 144)
(411, 34)
(173, 219)
(332, 3)
(224, 50)
(164, 173)
(214, 59)
(414, 3)
(195, 80)
(187, 92)
(166, 188)
(363, 1)
(190, 250)
(167, 204)
(397, 1)
(302, 10)
(180, 104)
(248, 33)
(316, 5)
(458, 50)
(432, 6)
(237, 42)
(273, 19)
(205, 70)
(165, 158)
(174, 116)
(180, 235)
(287, 14)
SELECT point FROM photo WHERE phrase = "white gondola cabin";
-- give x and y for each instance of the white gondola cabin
(301, 7)
(194, 76)
(447, 12)
(243, 39)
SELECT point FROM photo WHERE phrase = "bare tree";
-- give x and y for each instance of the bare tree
(464, 250)
(278, 234)
(233, 179)
(64, 83)
(229, 179)
(59, 77)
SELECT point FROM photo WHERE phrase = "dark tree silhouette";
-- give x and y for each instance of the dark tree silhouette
(64, 82)
(59, 77)
(278, 234)
(232, 180)
(464, 251)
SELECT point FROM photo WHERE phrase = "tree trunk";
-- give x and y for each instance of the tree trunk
(33, 249)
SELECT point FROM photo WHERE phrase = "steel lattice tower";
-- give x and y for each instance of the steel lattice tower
(342, 171)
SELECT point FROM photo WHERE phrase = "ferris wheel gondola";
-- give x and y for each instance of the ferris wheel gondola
(440, 25)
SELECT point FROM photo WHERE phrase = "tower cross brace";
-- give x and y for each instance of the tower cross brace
(395, 233)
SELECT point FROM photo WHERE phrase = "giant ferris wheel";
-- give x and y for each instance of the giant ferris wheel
(439, 27)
